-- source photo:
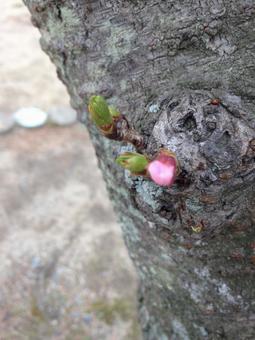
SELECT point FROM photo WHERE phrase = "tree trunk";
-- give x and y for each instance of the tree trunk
(164, 64)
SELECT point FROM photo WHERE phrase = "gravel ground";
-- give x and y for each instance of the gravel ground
(65, 273)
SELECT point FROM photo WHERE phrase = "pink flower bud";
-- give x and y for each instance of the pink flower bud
(163, 168)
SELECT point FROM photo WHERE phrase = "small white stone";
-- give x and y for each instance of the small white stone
(6, 122)
(62, 116)
(54, 323)
(30, 117)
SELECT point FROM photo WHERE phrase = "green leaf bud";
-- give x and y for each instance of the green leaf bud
(134, 162)
(100, 113)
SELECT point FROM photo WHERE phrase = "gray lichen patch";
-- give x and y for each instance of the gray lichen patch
(69, 17)
(218, 288)
(153, 108)
(194, 205)
(179, 330)
(61, 26)
(149, 191)
(120, 41)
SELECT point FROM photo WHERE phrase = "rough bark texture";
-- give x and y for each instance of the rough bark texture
(161, 63)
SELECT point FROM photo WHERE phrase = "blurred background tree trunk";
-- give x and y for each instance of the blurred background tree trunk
(183, 73)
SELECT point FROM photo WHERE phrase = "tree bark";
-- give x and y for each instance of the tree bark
(163, 64)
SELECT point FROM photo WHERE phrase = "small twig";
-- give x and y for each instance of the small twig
(125, 133)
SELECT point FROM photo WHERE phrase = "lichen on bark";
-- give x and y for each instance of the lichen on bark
(162, 63)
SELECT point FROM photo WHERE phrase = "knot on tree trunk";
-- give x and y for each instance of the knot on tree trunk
(214, 144)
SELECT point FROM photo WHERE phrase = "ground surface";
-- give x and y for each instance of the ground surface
(65, 273)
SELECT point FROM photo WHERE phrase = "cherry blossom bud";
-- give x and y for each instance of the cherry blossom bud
(134, 162)
(164, 168)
